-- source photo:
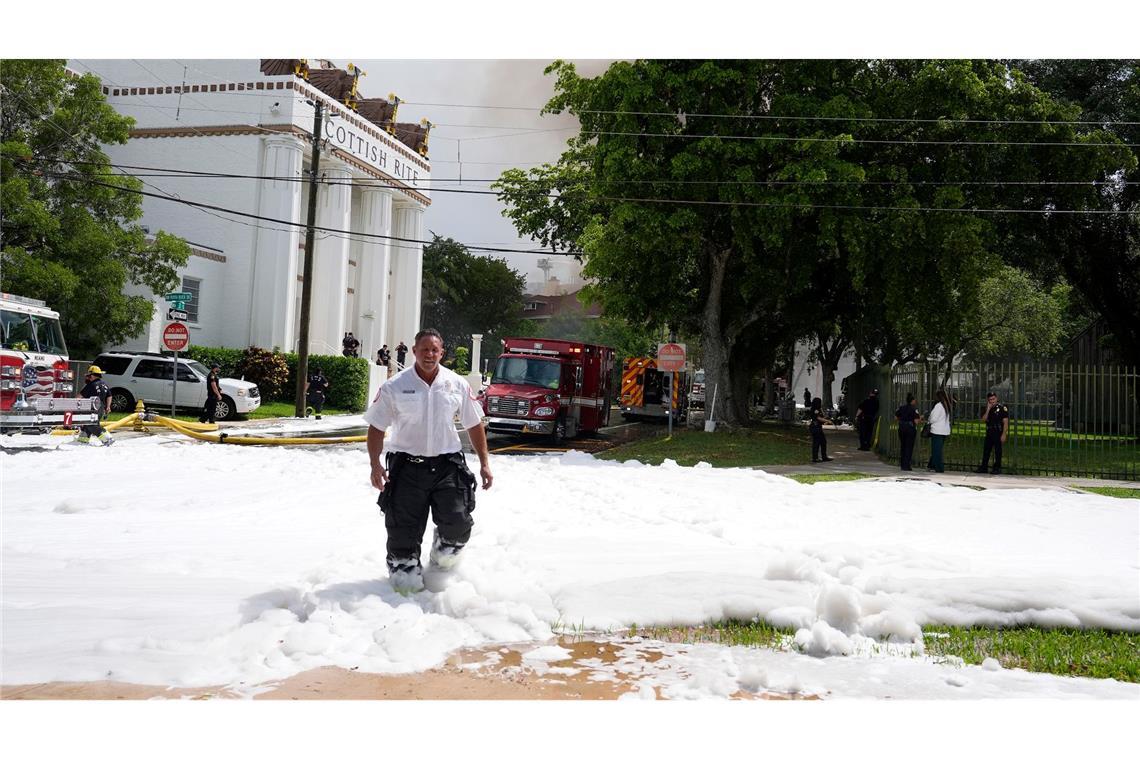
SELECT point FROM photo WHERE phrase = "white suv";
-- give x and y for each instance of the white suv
(149, 376)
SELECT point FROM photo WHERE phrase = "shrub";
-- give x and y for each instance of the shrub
(461, 364)
(268, 369)
(347, 376)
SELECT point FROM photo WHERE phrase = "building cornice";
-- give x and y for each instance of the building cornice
(229, 130)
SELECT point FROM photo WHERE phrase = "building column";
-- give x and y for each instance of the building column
(272, 316)
(407, 275)
(330, 260)
(372, 292)
(475, 376)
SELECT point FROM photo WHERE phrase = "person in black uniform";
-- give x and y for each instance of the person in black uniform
(818, 439)
(807, 398)
(908, 418)
(96, 388)
(213, 394)
(349, 345)
(996, 417)
(401, 354)
(316, 391)
(865, 415)
(384, 358)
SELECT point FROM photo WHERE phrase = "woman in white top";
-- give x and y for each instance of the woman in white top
(939, 429)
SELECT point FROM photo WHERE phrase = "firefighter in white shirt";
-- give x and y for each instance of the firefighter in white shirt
(424, 467)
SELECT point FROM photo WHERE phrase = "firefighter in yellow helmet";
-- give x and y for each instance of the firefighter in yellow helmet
(96, 388)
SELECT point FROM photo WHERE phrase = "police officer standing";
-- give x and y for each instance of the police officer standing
(424, 468)
(96, 388)
(401, 353)
(865, 415)
(213, 394)
(996, 417)
(316, 391)
(815, 427)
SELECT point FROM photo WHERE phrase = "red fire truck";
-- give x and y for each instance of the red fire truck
(36, 386)
(648, 392)
(558, 388)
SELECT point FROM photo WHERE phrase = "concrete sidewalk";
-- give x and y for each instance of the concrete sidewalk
(843, 448)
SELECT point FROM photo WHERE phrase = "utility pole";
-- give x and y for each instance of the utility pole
(307, 275)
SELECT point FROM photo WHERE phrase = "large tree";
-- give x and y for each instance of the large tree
(734, 199)
(465, 294)
(69, 232)
(1098, 254)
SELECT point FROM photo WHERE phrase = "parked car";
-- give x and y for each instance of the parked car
(697, 392)
(148, 376)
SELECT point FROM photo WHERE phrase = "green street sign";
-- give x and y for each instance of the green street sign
(180, 305)
(176, 297)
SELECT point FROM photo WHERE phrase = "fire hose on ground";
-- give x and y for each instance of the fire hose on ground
(141, 420)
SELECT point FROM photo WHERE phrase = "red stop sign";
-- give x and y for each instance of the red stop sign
(175, 337)
(670, 357)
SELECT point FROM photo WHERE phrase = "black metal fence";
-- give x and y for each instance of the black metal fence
(1065, 419)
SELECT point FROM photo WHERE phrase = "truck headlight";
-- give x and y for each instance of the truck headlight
(9, 370)
(544, 411)
(241, 391)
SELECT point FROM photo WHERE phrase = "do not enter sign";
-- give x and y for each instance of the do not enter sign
(671, 357)
(175, 337)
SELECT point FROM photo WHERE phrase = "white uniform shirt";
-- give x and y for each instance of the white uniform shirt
(422, 416)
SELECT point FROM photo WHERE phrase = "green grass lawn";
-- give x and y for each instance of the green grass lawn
(1038, 449)
(746, 447)
(1119, 493)
(809, 478)
(1061, 651)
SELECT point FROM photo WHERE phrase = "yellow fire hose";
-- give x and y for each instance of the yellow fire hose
(140, 420)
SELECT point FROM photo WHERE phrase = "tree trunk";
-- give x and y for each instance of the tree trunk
(715, 347)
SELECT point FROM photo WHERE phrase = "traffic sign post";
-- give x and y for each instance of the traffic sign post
(176, 338)
(671, 358)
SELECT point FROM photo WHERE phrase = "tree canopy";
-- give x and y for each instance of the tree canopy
(465, 294)
(69, 232)
(757, 202)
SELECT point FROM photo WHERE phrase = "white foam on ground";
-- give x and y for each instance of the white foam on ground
(164, 561)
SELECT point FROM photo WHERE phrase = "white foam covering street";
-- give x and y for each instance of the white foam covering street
(164, 561)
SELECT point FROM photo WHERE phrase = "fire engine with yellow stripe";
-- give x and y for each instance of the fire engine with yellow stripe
(36, 384)
(558, 388)
(649, 392)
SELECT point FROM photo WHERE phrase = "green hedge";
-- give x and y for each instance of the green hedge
(347, 376)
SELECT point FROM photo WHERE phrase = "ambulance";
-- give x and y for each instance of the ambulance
(556, 388)
(648, 392)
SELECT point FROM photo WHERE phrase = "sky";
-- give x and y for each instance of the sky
(486, 117)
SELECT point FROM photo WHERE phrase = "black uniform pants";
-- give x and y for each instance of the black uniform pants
(907, 434)
(442, 485)
(209, 410)
(818, 443)
(317, 401)
(993, 443)
(866, 430)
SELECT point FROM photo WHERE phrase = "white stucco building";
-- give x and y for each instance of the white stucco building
(253, 118)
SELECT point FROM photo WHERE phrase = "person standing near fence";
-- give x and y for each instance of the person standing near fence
(865, 416)
(996, 417)
(939, 429)
(818, 439)
(401, 354)
(908, 418)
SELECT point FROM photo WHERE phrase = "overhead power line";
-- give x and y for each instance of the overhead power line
(744, 204)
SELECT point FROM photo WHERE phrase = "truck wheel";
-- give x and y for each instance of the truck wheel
(122, 401)
(558, 435)
(226, 409)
